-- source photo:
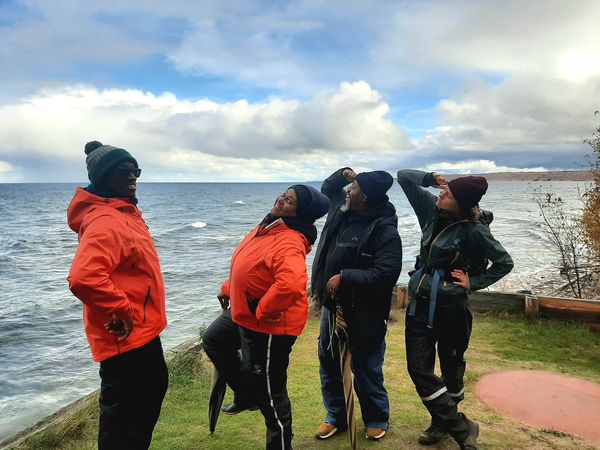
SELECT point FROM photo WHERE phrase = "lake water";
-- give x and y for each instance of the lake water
(45, 361)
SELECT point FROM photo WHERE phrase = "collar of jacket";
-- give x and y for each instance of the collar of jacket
(105, 194)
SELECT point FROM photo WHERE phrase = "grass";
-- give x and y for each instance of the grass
(498, 343)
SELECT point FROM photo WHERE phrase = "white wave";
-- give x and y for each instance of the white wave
(238, 202)
(198, 225)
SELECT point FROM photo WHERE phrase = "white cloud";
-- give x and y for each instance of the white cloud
(428, 39)
(537, 115)
(6, 167)
(202, 140)
(302, 46)
(477, 166)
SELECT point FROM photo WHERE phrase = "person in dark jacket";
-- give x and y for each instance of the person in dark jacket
(269, 309)
(357, 264)
(456, 247)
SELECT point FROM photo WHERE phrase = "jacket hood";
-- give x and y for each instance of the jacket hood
(84, 203)
(486, 217)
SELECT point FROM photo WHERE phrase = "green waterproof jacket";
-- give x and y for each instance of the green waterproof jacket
(463, 244)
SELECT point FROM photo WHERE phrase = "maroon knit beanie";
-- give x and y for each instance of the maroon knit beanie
(468, 190)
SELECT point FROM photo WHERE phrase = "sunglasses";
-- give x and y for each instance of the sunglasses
(124, 173)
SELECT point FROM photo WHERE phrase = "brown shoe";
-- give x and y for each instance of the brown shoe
(375, 434)
(326, 430)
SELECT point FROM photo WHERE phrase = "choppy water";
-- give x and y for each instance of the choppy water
(45, 362)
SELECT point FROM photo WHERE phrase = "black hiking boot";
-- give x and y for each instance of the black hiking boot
(469, 441)
(432, 435)
(235, 408)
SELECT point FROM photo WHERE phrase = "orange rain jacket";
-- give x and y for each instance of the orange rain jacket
(269, 267)
(115, 270)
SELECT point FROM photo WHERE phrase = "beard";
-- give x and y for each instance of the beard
(345, 207)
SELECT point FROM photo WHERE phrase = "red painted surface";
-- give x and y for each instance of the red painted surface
(544, 400)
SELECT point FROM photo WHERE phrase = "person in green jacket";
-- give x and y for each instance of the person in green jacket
(456, 249)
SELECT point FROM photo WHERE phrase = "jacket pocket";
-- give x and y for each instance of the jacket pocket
(253, 304)
(146, 300)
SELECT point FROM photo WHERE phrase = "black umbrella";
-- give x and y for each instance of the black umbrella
(217, 392)
(215, 402)
(341, 331)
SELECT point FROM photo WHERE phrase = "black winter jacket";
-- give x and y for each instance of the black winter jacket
(370, 263)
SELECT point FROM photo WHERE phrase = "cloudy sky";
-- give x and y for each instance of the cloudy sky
(242, 90)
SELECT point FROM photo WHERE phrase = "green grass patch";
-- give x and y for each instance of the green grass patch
(498, 343)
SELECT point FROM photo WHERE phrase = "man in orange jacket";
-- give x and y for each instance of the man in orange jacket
(269, 309)
(116, 274)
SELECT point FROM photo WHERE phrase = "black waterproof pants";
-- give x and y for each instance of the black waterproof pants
(221, 342)
(450, 333)
(132, 389)
(259, 377)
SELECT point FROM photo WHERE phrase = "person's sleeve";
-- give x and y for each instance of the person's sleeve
(387, 264)
(287, 260)
(422, 201)
(501, 261)
(225, 288)
(333, 187)
(98, 254)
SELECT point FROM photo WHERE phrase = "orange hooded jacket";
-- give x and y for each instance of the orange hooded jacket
(115, 270)
(269, 267)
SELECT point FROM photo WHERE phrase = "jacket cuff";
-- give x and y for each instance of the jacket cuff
(225, 288)
(429, 180)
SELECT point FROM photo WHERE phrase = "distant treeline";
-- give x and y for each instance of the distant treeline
(565, 175)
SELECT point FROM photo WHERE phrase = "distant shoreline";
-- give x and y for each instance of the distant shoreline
(565, 175)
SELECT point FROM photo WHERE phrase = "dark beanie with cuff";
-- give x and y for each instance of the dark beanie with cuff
(101, 159)
(374, 186)
(468, 190)
(311, 205)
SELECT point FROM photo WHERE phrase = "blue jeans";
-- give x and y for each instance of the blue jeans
(367, 367)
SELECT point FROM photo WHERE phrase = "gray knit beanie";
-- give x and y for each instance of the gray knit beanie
(102, 158)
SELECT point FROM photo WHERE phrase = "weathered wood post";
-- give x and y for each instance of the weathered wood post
(401, 297)
(532, 307)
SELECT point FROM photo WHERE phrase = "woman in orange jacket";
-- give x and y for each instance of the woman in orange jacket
(266, 290)
(117, 276)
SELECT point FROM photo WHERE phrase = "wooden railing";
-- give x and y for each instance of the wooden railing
(531, 306)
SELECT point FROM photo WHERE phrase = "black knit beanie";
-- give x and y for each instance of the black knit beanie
(303, 197)
(311, 205)
(468, 190)
(102, 158)
(374, 185)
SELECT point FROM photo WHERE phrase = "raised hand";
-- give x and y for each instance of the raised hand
(440, 181)
(349, 175)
